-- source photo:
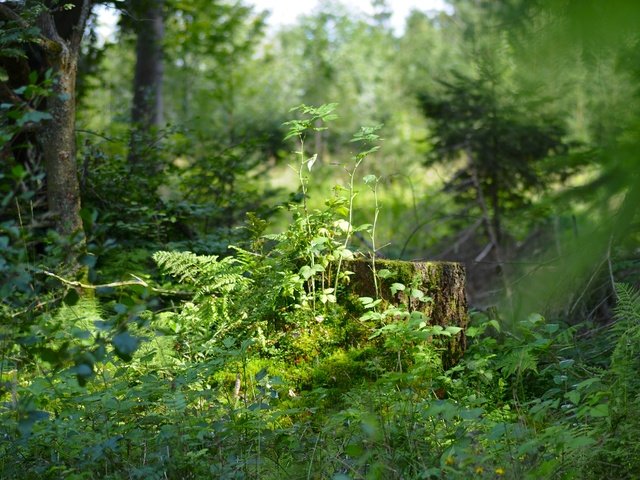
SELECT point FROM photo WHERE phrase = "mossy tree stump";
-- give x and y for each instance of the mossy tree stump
(444, 282)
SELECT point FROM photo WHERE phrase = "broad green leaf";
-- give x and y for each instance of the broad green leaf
(453, 330)
(601, 410)
(369, 179)
(417, 294)
(33, 116)
(580, 442)
(564, 364)
(385, 273)
(573, 396)
(125, 345)
(71, 298)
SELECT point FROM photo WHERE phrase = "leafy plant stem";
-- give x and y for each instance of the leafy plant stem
(303, 186)
(352, 196)
(374, 252)
(313, 453)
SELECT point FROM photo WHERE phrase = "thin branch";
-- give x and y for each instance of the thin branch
(91, 132)
(586, 288)
(72, 283)
(78, 29)
(485, 251)
(236, 387)
(8, 14)
(493, 235)
(611, 276)
(51, 39)
(463, 237)
(136, 281)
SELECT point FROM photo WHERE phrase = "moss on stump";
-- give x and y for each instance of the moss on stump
(444, 282)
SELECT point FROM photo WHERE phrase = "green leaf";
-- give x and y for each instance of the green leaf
(125, 345)
(354, 450)
(89, 260)
(71, 298)
(365, 227)
(573, 396)
(599, 411)
(552, 328)
(372, 304)
(587, 383)
(580, 442)
(261, 374)
(385, 273)
(18, 172)
(25, 424)
(560, 379)
(564, 364)
(471, 414)
(81, 333)
(396, 287)
(494, 323)
(346, 254)
(33, 116)
(306, 272)
(83, 372)
(369, 179)
(453, 330)
(418, 294)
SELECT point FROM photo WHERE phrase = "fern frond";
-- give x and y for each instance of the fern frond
(625, 359)
(628, 306)
(205, 272)
(187, 267)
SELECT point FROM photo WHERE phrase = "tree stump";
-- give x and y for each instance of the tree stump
(444, 282)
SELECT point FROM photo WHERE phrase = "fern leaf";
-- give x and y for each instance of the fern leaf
(628, 306)
(205, 272)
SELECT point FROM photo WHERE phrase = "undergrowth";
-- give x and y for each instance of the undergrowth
(262, 364)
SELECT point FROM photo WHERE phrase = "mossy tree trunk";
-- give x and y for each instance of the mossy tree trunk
(59, 147)
(443, 282)
(55, 50)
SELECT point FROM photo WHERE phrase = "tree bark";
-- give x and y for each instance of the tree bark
(56, 49)
(444, 282)
(59, 147)
(147, 108)
(62, 33)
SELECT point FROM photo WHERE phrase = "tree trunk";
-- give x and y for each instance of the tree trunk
(147, 108)
(59, 146)
(444, 282)
(55, 50)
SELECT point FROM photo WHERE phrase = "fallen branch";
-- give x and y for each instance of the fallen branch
(136, 281)
(86, 286)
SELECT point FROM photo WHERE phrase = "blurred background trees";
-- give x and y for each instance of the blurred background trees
(509, 129)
